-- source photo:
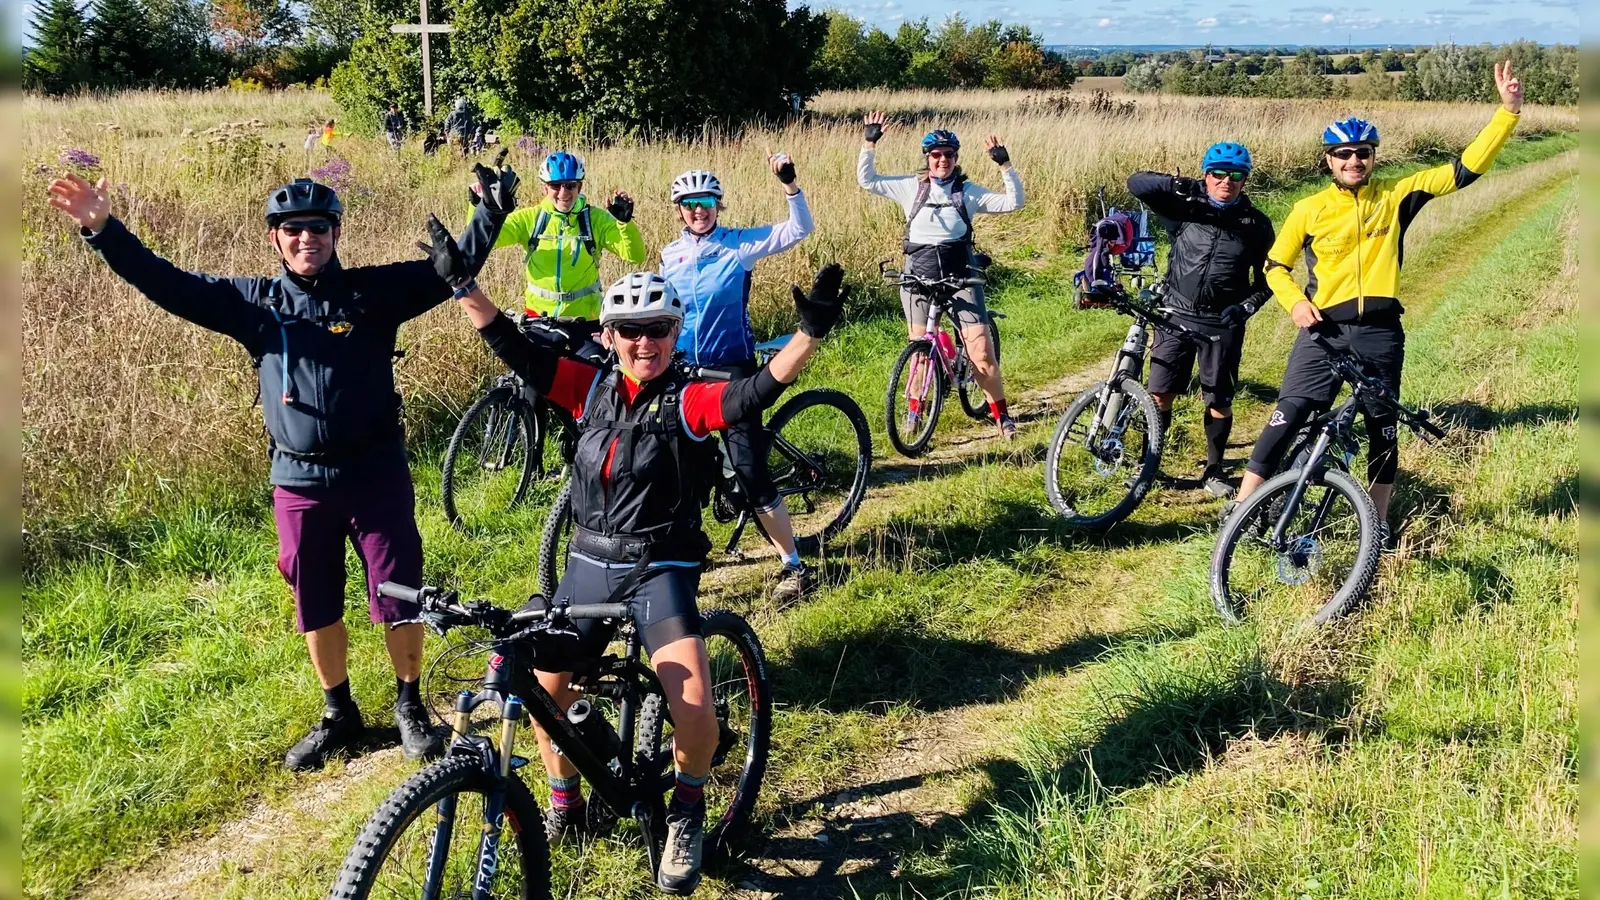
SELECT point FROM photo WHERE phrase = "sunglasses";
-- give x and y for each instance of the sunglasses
(564, 185)
(294, 229)
(698, 202)
(941, 154)
(1347, 152)
(1230, 174)
(635, 330)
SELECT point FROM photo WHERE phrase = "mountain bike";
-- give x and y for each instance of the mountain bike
(509, 440)
(467, 825)
(819, 451)
(930, 364)
(1106, 451)
(1309, 536)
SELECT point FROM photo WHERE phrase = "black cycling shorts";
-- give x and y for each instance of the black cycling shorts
(665, 606)
(1381, 346)
(746, 443)
(1172, 359)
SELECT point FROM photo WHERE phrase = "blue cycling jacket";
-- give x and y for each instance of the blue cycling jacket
(712, 274)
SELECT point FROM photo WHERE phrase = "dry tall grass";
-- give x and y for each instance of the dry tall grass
(123, 404)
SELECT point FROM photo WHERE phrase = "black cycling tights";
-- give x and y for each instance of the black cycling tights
(1383, 446)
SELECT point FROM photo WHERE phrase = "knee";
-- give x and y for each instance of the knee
(1164, 401)
(1220, 410)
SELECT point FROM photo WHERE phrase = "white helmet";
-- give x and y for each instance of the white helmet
(640, 295)
(695, 182)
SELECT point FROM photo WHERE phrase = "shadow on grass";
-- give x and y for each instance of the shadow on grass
(1459, 413)
(1175, 726)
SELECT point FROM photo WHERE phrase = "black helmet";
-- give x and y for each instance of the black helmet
(303, 197)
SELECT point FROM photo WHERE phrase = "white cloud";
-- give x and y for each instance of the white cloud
(1207, 22)
(1103, 23)
(1327, 19)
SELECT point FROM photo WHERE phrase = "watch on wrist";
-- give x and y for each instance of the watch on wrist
(462, 290)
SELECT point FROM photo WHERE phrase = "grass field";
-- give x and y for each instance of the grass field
(979, 702)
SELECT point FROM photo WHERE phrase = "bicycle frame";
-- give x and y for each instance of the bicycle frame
(1336, 428)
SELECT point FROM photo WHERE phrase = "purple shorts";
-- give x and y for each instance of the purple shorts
(377, 516)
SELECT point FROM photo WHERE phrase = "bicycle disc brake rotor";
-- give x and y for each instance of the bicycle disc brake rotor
(1299, 561)
(1108, 456)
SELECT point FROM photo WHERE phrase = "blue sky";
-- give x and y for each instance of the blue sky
(1231, 21)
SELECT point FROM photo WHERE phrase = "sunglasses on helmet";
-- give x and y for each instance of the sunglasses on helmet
(634, 330)
(1230, 174)
(1347, 152)
(705, 202)
(293, 229)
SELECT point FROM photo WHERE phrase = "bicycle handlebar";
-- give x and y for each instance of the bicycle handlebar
(496, 619)
(1351, 368)
(917, 282)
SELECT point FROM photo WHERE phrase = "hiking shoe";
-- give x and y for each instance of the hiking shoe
(680, 863)
(794, 582)
(330, 738)
(1216, 485)
(418, 738)
(1008, 428)
(580, 823)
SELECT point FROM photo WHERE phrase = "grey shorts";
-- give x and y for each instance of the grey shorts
(968, 309)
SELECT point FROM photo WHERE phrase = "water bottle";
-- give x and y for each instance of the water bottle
(947, 344)
(596, 731)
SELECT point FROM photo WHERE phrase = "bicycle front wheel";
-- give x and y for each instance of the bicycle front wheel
(1326, 561)
(1097, 472)
(555, 541)
(432, 832)
(491, 460)
(973, 403)
(915, 398)
(742, 698)
(818, 452)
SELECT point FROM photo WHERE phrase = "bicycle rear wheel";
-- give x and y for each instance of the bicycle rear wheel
(555, 541)
(915, 397)
(973, 403)
(742, 697)
(434, 824)
(818, 452)
(1096, 475)
(1328, 559)
(490, 460)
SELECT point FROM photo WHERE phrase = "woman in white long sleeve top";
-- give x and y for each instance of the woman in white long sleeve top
(939, 203)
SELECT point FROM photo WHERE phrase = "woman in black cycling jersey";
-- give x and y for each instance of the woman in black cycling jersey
(636, 503)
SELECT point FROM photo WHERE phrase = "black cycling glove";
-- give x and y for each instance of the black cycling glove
(1186, 187)
(621, 209)
(820, 309)
(445, 255)
(786, 171)
(873, 132)
(1236, 315)
(999, 155)
(497, 188)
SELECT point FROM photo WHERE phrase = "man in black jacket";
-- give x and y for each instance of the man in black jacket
(1214, 282)
(324, 338)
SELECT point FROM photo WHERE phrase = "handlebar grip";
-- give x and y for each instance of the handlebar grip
(711, 373)
(599, 611)
(400, 592)
(973, 282)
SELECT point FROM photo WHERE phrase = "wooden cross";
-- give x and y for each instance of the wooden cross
(427, 61)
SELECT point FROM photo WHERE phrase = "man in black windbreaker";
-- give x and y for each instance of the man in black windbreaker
(1215, 283)
(324, 338)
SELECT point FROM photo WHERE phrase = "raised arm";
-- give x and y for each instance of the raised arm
(756, 243)
(1168, 196)
(616, 232)
(216, 304)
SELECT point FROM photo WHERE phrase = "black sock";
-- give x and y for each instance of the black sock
(337, 702)
(1163, 419)
(1217, 430)
(407, 692)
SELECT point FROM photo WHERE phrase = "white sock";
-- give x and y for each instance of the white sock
(792, 558)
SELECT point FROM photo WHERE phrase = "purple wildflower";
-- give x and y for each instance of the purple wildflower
(526, 144)
(336, 174)
(79, 159)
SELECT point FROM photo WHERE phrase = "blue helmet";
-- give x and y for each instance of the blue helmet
(1226, 155)
(561, 166)
(1350, 131)
(940, 137)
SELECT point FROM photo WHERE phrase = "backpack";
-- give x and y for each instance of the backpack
(958, 199)
(585, 233)
(1113, 235)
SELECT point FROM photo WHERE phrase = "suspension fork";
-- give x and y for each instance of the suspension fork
(1298, 493)
(494, 804)
(444, 831)
(922, 370)
(1130, 360)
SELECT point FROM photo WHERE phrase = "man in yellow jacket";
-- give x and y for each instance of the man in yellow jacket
(562, 238)
(1351, 235)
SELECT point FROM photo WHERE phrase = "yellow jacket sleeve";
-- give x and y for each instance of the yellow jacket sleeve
(621, 238)
(517, 229)
(1465, 169)
(1283, 256)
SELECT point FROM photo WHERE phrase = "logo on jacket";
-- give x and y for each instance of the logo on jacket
(1278, 419)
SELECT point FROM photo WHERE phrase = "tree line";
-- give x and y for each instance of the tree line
(953, 55)
(1447, 72)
